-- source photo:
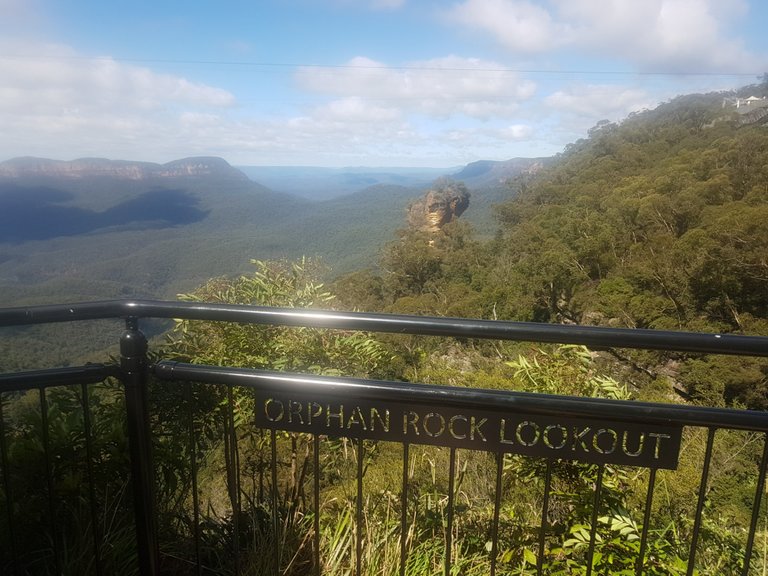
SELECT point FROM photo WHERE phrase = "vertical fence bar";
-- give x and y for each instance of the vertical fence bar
(756, 508)
(133, 367)
(49, 479)
(544, 517)
(700, 503)
(233, 477)
(275, 504)
(316, 500)
(8, 493)
(404, 511)
(646, 522)
(88, 430)
(496, 512)
(595, 511)
(261, 465)
(449, 529)
(359, 510)
(192, 447)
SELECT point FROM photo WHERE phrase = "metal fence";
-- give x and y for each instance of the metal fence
(284, 492)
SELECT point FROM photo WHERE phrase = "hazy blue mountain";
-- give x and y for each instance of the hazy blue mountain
(496, 173)
(99, 229)
(94, 228)
(317, 183)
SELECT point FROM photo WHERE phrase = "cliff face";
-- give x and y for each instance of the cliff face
(440, 205)
(100, 167)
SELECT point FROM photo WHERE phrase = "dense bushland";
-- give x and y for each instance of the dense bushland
(658, 222)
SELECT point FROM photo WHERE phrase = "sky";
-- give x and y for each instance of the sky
(437, 83)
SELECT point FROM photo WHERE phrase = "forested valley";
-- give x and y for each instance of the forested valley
(659, 221)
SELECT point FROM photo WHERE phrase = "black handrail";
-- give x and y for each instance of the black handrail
(469, 398)
(90, 374)
(593, 336)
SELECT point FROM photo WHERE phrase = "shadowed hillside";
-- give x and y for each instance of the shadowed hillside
(94, 229)
(39, 213)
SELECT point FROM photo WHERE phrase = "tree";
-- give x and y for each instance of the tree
(411, 264)
(223, 417)
(283, 284)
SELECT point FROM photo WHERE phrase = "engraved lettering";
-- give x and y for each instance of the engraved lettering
(383, 421)
(502, 433)
(275, 415)
(432, 416)
(519, 433)
(313, 411)
(578, 438)
(338, 415)
(475, 428)
(410, 419)
(294, 409)
(548, 436)
(657, 446)
(356, 418)
(595, 440)
(640, 444)
(452, 430)
(605, 432)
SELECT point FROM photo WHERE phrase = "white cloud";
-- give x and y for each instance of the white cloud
(440, 87)
(323, 138)
(598, 101)
(517, 132)
(54, 78)
(652, 35)
(356, 110)
(567, 114)
(668, 35)
(519, 25)
(55, 102)
(490, 137)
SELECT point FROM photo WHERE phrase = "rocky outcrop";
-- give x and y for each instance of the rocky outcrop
(443, 203)
(124, 170)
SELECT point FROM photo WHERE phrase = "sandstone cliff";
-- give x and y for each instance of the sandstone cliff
(441, 204)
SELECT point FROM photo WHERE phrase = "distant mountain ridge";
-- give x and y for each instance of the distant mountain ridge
(498, 172)
(25, 167)
(320, 183)
(94, 228)
(309, 182)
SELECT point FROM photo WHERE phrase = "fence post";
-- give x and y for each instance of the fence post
(134, 368)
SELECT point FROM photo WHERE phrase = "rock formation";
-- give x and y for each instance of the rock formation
(446, 201)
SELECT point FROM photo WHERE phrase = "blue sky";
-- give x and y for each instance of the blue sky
(353, 82)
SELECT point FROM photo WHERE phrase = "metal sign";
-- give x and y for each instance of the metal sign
(582, 439)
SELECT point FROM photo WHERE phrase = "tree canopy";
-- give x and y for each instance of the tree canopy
(659, 221)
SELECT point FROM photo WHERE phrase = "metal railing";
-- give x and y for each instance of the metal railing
(604, 434)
